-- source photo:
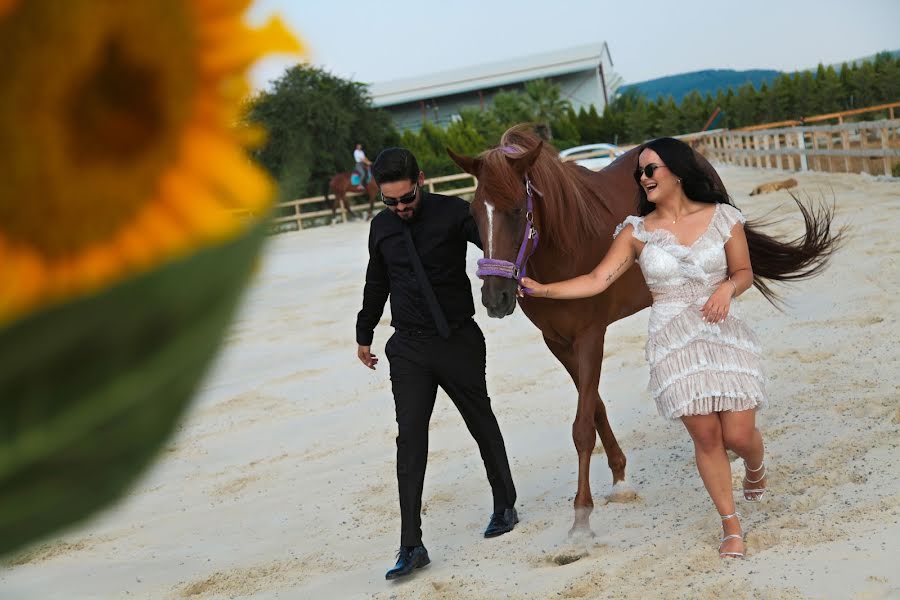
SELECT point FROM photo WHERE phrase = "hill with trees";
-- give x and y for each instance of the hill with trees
(704, 82)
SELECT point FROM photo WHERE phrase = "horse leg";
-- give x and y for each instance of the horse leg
(334, 204)
(614, 455)
(582, 362)
(348, 214)
(621, 490)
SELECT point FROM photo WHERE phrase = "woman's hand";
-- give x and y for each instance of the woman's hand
(535, 288)
(716, 308)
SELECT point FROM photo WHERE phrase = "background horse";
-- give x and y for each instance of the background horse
(575, 212)
(340, 186)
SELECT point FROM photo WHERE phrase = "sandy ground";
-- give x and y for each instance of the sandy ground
(280, 483)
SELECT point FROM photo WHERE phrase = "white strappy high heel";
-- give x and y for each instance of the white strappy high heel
(733, 536)
(754, 494)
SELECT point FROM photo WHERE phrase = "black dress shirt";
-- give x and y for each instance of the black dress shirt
(441, 228)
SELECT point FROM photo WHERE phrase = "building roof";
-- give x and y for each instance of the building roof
(457, 81)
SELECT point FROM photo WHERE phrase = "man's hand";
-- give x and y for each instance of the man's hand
(366, 357)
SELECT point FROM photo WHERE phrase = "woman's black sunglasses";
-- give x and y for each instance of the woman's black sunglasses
(649, 170)
(406, 199)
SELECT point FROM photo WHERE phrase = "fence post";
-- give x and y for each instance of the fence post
(863, 144)
(801, 146)
(788, 146)
(829, 144)
(845, 145)
(297, 215)
(776, 142)
(885, 147)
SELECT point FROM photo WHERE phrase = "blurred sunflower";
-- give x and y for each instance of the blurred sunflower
(117, 123)
(121, 263)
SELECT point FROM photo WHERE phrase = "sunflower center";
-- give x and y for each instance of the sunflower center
(116, 111)
(94, 98)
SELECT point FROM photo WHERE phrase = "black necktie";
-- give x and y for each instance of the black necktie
(437, 314)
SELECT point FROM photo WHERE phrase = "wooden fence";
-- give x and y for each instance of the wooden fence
(836, 116)
(296, 214)
(863, 147)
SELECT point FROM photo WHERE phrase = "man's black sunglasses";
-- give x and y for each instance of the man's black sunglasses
(406, 199)
(649, 170)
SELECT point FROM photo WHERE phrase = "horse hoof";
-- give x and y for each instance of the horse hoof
(580, 534)
(622, 492)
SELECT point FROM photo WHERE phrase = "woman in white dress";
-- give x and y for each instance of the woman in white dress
(697, 254)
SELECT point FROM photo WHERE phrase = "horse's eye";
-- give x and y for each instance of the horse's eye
(517, 211)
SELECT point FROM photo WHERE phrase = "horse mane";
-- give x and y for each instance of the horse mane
(568, 210)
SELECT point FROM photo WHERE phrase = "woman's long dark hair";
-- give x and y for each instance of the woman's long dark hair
(772, 259)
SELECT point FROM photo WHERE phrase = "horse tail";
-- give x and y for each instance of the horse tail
(800, 258)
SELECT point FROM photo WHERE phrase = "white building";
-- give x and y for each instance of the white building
(580, 71)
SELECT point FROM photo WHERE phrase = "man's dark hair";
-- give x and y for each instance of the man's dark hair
(395, 164)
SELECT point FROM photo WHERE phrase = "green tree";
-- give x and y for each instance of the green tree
(806, 93)
(485, 122)
(784, 98)
(670, 122)
(565, 130)
(743, 106)
(314, 119)
(545, 104)
(887, 77)
(464, 138)
(509, 107)
(590, 125)
(830, 91)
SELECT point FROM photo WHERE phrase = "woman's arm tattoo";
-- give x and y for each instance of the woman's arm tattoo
(616, 270)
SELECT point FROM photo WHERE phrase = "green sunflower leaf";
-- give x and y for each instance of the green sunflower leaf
(89, 390)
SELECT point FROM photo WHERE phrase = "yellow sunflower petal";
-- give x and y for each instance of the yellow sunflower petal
(227, 169)
(24, 276)
(274, 36)
(203, 212)
(96, 266)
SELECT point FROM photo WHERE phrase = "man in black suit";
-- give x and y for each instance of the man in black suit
(417, 256)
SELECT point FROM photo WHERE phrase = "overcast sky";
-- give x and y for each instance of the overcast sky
(378, 41)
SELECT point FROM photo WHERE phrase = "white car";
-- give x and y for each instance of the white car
(591, 156)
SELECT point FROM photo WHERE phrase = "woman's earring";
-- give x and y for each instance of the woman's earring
(679, 180)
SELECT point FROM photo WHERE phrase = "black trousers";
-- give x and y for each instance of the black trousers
(418, 365)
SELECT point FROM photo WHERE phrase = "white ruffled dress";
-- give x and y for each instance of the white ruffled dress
(696, 367)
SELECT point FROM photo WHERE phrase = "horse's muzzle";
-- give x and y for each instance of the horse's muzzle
(498, 294)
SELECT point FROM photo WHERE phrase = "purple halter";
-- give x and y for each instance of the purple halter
(503, 268)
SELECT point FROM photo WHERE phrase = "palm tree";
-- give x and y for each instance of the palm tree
(546, 104)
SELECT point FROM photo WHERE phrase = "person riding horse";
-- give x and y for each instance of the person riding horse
(361, 170)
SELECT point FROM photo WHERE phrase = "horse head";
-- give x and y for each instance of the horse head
(504, 219)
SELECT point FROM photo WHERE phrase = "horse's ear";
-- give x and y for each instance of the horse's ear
(470, 165)
(522, 163)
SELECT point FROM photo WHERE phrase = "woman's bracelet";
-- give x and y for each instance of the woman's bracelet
(731, 281)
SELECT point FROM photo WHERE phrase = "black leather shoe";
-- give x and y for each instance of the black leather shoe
(409, 558)
(501, 522)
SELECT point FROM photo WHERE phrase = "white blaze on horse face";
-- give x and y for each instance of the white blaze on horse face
(489, 208)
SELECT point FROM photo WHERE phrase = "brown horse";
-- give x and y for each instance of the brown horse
(341, 187)
(575, 212)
